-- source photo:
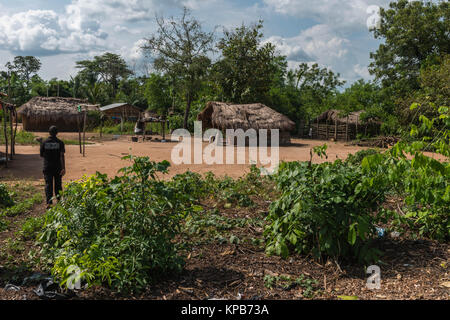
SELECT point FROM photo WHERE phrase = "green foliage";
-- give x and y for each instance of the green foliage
(116, 128)
(31, 228)
(24, 205)
(181, 48)
(5, 199)
(117, 231)
(414, 34)
(247, 69)
(324, 209)
(308, 285)
(434, 91)
(159, 94)
(24, 197)
(24, 67)
(226, 190)
(212, 224)
(108, 67)
(357, 158)
(317, 87)
(421, 181)
(22, 138)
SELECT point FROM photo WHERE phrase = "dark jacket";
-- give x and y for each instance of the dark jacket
(51, 150)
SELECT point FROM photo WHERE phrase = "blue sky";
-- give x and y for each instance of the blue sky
(332, 33)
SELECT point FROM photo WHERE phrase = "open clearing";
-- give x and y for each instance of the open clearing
(105, 157)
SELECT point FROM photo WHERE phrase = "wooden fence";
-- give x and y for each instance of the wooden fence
(335, 131)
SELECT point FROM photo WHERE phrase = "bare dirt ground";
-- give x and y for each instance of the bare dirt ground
(105, 157)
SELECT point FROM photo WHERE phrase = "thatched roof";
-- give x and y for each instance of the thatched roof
(46, 106)
(333, 116)
(223, 116)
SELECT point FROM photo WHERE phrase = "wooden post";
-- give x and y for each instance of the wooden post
(84, 133)
(5, 133)
(121, 124)
(335, 130)
(327, 129)
(356, 133)
(15, 130)
(101, 126)
(317, 128)
(143, 133)
(163, 129)
(79, 132)
(12, 133)
(346, 130)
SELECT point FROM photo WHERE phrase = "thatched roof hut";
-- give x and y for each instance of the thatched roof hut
(257, 116)
(340, 126)
(332, 116)
(40, 113)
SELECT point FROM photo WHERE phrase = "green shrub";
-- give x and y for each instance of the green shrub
(117, 231)
(31, 227)
(358, 157)
(23, 205)
(111, 127)
(423, 183)
(22, 138)
(5, 199)
(324, 209)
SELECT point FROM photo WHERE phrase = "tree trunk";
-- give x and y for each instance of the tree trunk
(5, 132)
(186, 113)
(79, 131)
(11, 131)
(84, 133)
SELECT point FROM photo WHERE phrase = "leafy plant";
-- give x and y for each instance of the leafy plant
(31, 227)
(422, 181)
(5, 199)
(20, 198)
(324, 209)
(357, 158)
(116, 231)
(285, 282)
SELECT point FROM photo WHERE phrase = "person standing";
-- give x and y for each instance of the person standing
(52, 150)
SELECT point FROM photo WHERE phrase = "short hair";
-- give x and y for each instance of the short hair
(53, 130)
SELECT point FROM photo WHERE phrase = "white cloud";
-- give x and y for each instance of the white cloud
(44, 32)
(323, 45)
(337, 13)
(316, 44)
(340, 39)
(361, 71)
(133, 53)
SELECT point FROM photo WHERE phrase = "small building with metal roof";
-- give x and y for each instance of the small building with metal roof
(121, 111)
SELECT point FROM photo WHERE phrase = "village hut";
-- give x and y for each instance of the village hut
(40, 113)
(338, 125)
(222, 116)
(121, 112)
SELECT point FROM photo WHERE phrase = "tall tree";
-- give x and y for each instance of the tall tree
(180, 48)
(24, 67)
(247, 68)
(316, 86)
(159, 94)
(109, 68)
(415, 34)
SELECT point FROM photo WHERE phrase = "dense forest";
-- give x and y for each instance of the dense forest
(411, 65)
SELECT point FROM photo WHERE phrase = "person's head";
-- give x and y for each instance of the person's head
(53, 131)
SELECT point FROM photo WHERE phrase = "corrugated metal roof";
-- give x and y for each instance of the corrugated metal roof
(112, 106)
